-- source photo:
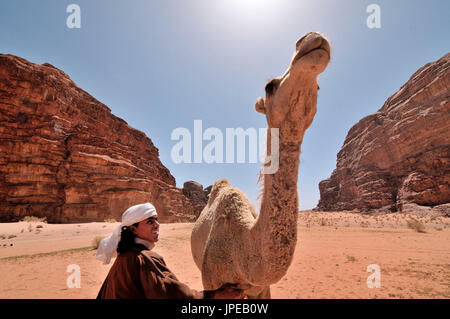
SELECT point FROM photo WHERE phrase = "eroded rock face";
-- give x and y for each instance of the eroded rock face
(196, 193)
(65, 156)
(398, 158)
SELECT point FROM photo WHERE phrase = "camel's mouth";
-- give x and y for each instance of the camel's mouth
(312, 44)
(321, 49)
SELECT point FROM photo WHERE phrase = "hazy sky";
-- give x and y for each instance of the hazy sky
(160, 65)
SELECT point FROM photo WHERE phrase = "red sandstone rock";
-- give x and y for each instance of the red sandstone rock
(398, 159)
(65, 156)
(196, 193)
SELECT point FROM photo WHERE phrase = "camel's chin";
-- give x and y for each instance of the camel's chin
(315, 61)
(321, 52)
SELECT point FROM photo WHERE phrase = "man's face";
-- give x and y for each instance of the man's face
(147, 229)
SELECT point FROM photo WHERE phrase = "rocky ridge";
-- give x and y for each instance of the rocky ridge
(65, 156)
(398, 158)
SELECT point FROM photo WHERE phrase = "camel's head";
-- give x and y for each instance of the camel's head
(296, 90)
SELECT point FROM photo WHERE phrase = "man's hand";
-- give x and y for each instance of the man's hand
(229, 291)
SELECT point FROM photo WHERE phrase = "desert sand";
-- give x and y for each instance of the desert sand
(333, 252)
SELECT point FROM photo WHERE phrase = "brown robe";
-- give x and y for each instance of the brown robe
(140, 273)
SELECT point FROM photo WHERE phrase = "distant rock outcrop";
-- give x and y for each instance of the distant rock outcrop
(398, 159)
(65, 156)
(196, 193)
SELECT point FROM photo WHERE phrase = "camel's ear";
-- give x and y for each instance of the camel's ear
(259, 106)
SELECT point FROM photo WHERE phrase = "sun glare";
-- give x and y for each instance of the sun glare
(257, 6)
(251, 8)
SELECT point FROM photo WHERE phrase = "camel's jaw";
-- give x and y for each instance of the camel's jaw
(312, 54)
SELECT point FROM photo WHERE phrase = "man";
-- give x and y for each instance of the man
(138, 272)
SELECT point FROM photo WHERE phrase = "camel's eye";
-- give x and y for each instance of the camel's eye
(271, 86)
(318, 87)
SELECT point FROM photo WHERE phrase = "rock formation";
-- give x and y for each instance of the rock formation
(65, 156)
(196, 193)
(398, 159)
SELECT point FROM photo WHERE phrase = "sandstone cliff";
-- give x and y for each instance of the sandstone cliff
(398, 159)
(65, 156)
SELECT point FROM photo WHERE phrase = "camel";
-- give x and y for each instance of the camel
(230, 243)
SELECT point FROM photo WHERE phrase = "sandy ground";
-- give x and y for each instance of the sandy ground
(330, 261)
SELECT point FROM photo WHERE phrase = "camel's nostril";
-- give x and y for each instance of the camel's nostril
(297, 45)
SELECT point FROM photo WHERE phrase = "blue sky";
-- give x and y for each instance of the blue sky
(162, 64)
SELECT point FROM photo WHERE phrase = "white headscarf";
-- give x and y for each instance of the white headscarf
(134, 214)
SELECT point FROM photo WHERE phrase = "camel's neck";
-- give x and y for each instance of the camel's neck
(279, 204)
(276, 226)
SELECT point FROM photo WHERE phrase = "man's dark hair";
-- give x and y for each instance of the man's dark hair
(126, 239)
